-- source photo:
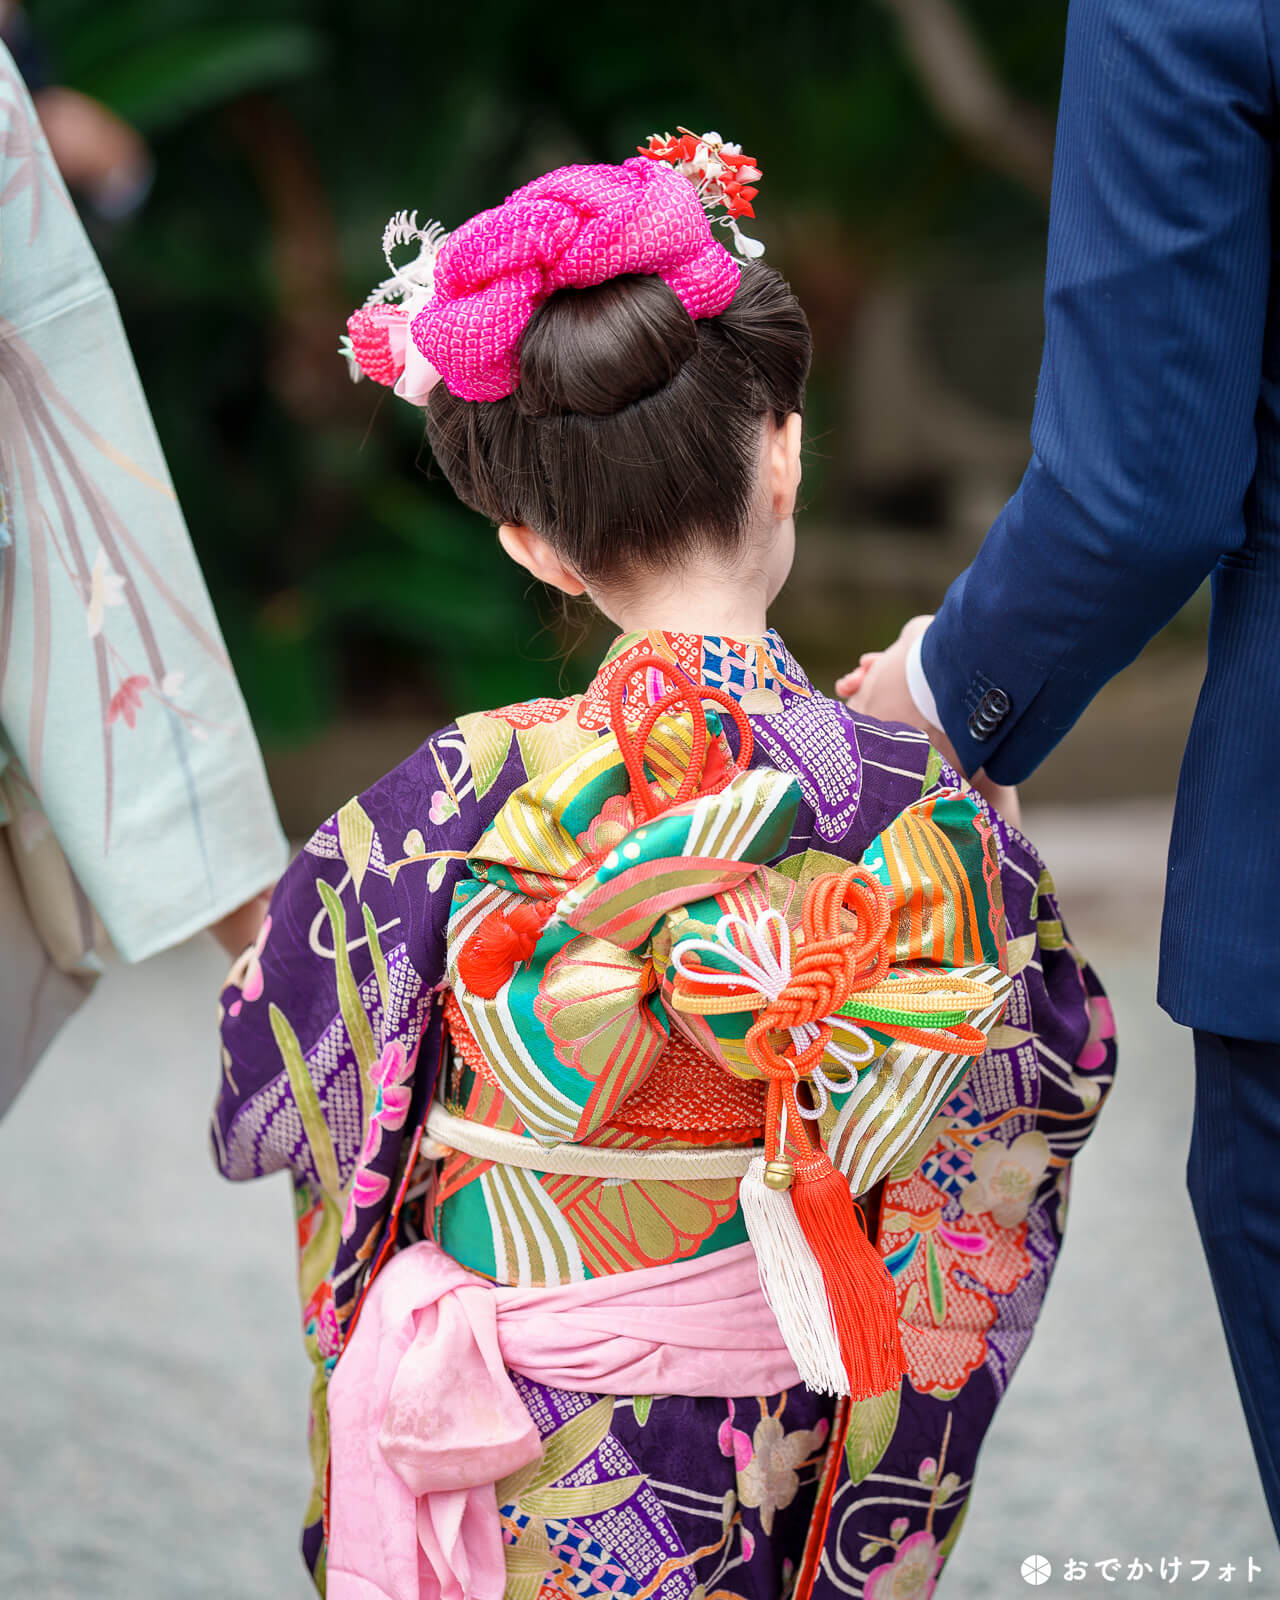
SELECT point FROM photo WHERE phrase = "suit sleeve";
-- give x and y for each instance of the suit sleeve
(1143, 436)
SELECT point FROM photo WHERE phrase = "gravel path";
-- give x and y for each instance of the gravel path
(152, 1389)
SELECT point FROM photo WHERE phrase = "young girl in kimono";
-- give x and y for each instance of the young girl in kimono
(581, 1030)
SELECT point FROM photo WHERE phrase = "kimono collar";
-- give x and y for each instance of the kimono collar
(758, 671)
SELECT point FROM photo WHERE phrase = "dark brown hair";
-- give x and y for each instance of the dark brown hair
(633, 438)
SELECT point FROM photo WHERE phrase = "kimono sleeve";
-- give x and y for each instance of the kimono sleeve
(127, 752)
(322, 1020)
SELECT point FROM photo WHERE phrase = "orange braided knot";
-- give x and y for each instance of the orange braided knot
(828, 965)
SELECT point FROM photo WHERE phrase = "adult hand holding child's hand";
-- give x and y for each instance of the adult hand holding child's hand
(878, 687)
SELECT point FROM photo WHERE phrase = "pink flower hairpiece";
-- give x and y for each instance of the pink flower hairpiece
(459, 309)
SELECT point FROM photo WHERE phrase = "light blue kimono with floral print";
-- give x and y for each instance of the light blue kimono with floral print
(130, 778)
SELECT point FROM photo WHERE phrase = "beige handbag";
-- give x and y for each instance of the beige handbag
(52, 942)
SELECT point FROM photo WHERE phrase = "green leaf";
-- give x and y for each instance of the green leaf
(642, 1404)
(525, 1564)
(1005, 1038)
(871, 1425)
(573, 1442)
(488, 740)
(562, 1450)
(580, 1500)
(937, 1285)
(379, 957)
(355, 839)
(307, 1101)
(547, 744)
(354, 1014)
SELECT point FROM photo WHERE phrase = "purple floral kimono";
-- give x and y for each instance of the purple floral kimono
(333, 1041)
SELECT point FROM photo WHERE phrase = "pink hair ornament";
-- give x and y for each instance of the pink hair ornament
(458, 311)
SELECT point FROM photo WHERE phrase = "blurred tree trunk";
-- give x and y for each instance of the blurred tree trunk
(308, 378)
(968, 96)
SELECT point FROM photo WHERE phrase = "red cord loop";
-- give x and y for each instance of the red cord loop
(686, 693)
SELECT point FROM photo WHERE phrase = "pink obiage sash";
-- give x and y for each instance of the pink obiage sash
(424, 1418)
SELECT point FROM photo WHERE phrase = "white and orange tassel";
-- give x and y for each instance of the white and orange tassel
(826, 1283)
(792, 1279)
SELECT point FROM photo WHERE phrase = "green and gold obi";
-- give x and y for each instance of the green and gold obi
(572, 1031)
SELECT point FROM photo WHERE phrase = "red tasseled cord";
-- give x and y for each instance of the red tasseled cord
(860, 1289)
(500, 944)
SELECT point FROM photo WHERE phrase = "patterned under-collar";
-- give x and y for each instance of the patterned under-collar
(758, 671)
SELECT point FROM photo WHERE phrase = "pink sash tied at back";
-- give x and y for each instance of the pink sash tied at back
(424, 1418)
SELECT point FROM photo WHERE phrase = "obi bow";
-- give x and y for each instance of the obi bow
(628, 892)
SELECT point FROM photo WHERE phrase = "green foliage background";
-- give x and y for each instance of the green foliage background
(285, 132)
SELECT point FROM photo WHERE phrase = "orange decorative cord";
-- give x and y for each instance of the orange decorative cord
(826, 969)
(697, 780)
(829, 965)
(508, 938)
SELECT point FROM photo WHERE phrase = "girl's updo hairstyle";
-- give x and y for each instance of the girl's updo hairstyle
(633, 438)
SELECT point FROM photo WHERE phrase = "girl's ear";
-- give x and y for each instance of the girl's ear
(536, 555)
(784, 465)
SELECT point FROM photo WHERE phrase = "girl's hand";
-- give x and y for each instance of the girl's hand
(239, 928)
(849, 685)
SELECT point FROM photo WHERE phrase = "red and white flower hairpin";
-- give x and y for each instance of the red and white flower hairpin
(720, 173)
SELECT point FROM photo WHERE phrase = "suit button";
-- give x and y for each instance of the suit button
(996, 702)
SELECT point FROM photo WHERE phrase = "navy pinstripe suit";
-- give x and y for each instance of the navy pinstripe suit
(1156, 463)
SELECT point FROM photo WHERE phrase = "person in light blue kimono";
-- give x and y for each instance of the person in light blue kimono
(132, 790)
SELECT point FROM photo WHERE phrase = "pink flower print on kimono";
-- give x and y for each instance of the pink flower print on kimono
(443, 806)
(367, 1189)
(733, 1442)
(246, 974)
(392, 1096)
(911, 1575)
(770, 1480)
(1102, 1026)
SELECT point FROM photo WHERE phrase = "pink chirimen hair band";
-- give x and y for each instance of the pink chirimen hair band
(571, 229)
